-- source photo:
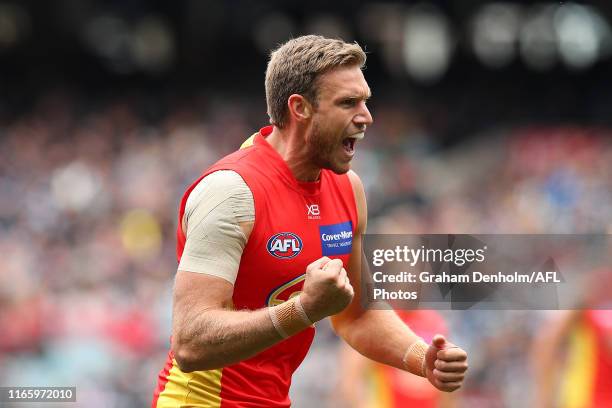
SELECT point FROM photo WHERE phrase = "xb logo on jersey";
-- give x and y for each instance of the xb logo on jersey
(313, 212)
(284, 245)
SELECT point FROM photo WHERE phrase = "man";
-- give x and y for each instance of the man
(263, 239)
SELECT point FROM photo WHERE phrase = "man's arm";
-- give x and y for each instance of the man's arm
(380, 334)
(206, 333)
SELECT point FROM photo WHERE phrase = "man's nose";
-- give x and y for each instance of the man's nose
(364, 117)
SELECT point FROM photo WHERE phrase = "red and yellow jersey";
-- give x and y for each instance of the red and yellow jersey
(295, 224)
(393, 388)
(587, 382)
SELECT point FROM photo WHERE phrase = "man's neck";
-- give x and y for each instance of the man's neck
(290, 145)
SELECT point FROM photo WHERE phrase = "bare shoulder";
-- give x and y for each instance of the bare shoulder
(355, 180)
(360, 200)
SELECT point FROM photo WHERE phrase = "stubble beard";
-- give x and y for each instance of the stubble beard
(322, 150)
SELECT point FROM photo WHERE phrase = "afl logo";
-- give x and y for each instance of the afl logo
(284, 245)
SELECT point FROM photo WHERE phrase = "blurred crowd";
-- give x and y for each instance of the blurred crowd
(88, 201)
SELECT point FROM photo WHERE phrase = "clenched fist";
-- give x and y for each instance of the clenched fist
(445, 364)
(327, 289)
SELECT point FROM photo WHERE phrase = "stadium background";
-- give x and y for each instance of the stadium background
(489, 118)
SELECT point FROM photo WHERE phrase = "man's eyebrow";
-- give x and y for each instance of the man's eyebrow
(366, 96)
(356, 95)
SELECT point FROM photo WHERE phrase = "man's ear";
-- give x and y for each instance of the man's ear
(299, 107)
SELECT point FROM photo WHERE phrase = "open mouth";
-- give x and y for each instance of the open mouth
(349, 144)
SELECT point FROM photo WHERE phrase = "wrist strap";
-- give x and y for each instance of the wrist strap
(301, 311)
(414, 359)
(289, 317)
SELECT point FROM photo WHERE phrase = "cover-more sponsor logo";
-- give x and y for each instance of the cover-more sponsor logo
(336, 239)
(284, 245)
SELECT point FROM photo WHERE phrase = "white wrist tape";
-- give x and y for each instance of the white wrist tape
(301, 311)
(414, 359)
(289, 317)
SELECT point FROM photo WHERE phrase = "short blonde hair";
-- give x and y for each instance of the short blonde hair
(295, 66)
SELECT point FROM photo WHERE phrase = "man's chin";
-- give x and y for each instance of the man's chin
(340, 169)
(336, 166)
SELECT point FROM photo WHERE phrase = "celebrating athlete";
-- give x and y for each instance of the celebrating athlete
(269, 242)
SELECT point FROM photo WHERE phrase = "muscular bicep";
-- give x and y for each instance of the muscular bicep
(201, 292)
(195, 295)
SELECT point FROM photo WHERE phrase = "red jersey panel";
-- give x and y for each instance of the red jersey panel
(295, 224)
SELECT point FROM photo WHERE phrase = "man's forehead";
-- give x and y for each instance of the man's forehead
(346, 81)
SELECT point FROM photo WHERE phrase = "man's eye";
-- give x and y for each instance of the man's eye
(349, 102)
